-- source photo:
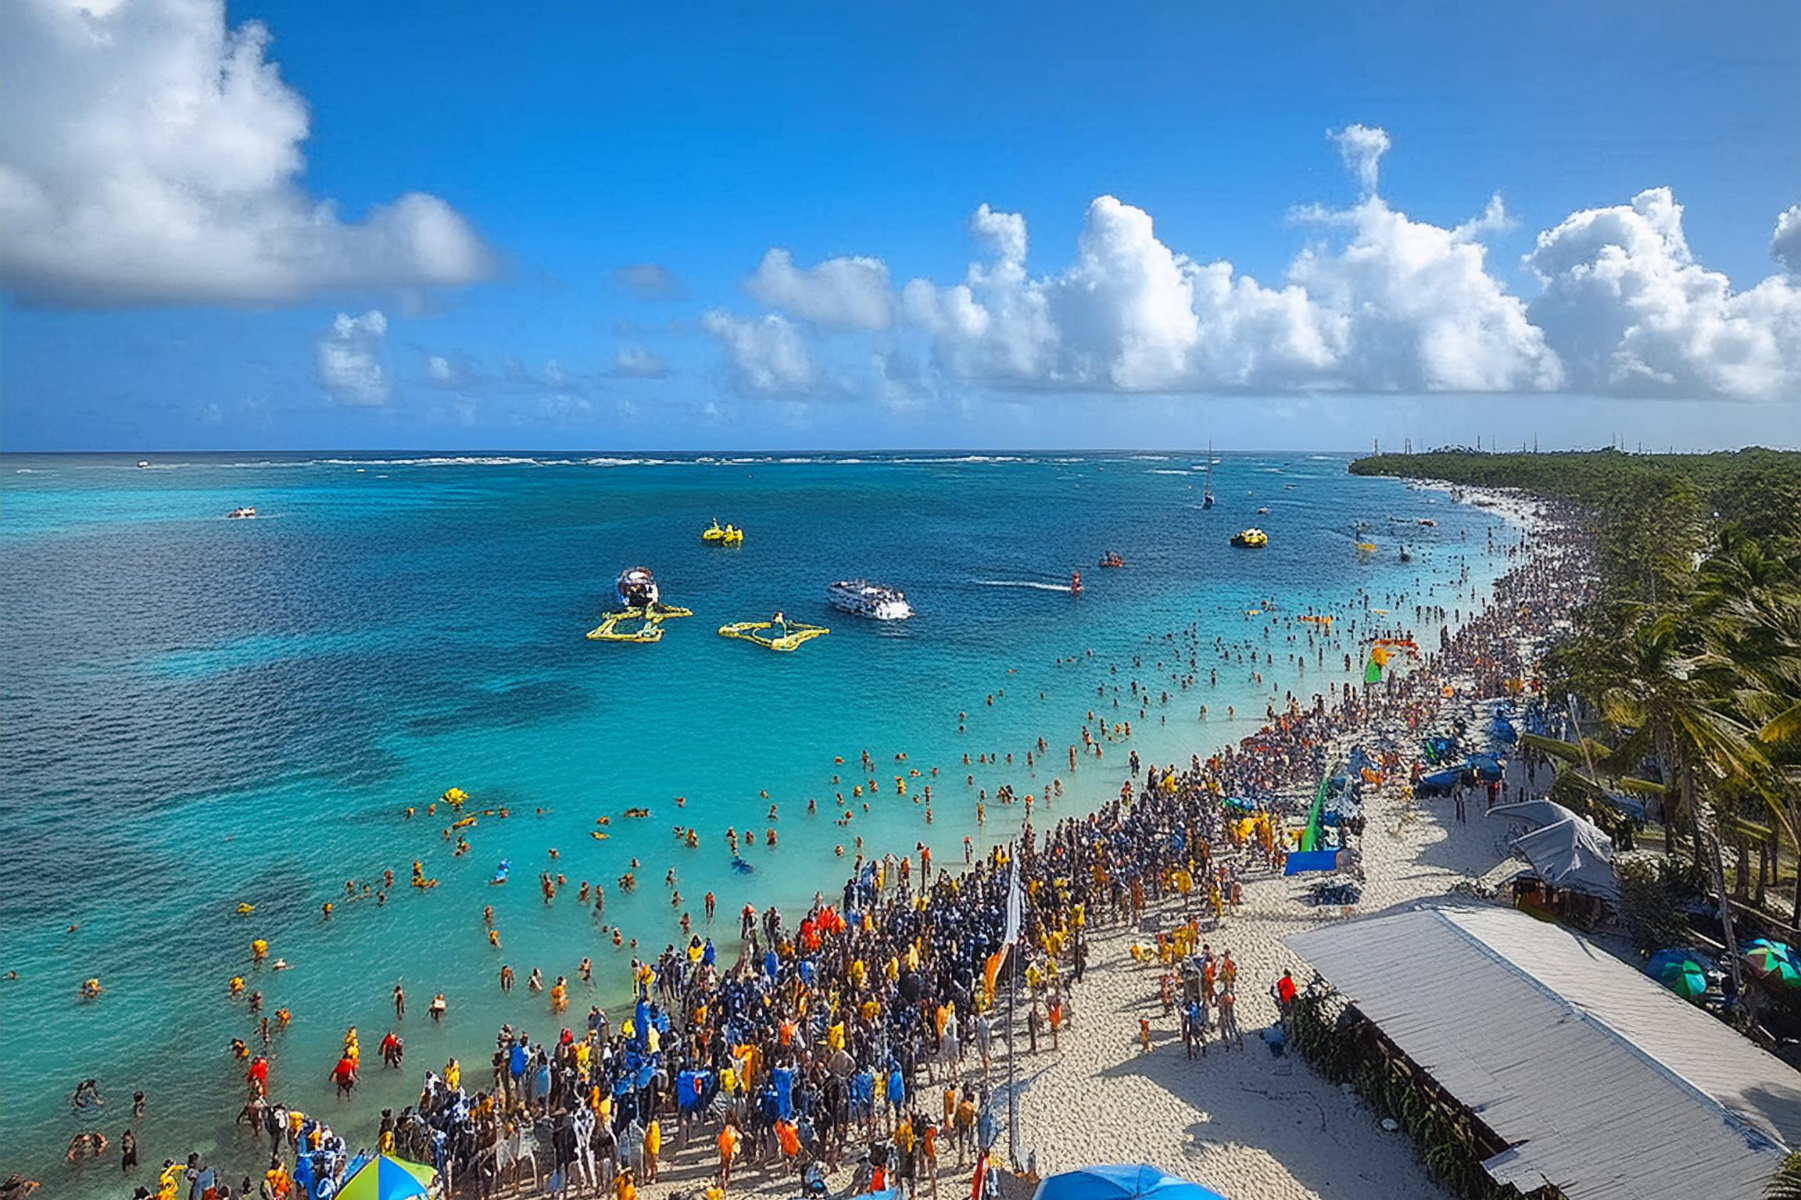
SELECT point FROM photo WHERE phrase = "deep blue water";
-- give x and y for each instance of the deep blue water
(197, 713)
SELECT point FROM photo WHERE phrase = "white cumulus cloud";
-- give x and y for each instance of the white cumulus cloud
(348, 357)
(1362, 148)
(766, 353)
(1785, 243)
(1377, 301)
(1631, 312)
(1383, 303)
(1414, 308)
(150, 154)
(839, 293)
(634, 361)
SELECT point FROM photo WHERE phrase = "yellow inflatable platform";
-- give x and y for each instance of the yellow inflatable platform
(650, 631)
(792, 634)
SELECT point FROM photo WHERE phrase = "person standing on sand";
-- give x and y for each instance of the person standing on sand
(966, 1126)
(1228, 1019)
(728, 1146)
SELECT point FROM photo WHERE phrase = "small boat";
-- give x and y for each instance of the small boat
(143, 464)
(1263, 512)
(717, 535)
(1075, 583)
(238, 514)
(861, 598)
(636, 587)
(792, 634)
(1426, 521)
(1250, 539)
(1112, 559)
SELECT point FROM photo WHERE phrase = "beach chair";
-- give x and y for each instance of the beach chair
(517, 1147)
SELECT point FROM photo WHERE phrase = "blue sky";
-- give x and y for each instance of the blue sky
(564, 143)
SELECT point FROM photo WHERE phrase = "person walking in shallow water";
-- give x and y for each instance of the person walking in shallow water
(399, 1003)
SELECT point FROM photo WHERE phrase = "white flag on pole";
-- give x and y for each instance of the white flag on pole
(1015, 899)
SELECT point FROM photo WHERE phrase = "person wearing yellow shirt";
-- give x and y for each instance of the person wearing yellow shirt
(653, 1143)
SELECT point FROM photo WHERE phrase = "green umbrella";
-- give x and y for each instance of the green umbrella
(1685, 978)
(388, 1178)
(1774, 963)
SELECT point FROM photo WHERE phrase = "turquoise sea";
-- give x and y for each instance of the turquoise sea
(198, 713)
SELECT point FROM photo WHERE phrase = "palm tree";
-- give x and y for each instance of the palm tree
(1667, 683)
(1751, 609)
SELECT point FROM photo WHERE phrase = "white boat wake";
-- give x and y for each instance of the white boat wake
(1022, 583)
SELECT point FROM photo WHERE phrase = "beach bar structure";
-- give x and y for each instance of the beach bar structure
(1586, 1079)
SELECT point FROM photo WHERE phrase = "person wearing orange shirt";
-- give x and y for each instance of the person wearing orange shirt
(728, 1146)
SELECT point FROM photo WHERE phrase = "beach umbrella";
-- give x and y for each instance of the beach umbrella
(1774, 962)
(1121, 1181)
(1655, 965)
(1684, 977)
(388, 1178)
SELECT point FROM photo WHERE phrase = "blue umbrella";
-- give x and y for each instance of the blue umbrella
(1654, 966)
(1122, 1181)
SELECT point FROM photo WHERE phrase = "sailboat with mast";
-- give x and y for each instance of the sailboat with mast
(1207, 487)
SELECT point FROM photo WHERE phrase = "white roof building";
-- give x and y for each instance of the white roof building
(1600, 1081)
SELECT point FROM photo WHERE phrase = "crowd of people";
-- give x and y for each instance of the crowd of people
(866, 1031)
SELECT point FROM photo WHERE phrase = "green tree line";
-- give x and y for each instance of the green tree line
(1688, 659)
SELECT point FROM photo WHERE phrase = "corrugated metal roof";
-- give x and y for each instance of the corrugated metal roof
(1601, 1081)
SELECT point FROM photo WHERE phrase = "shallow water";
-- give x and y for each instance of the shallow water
(199, 712)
